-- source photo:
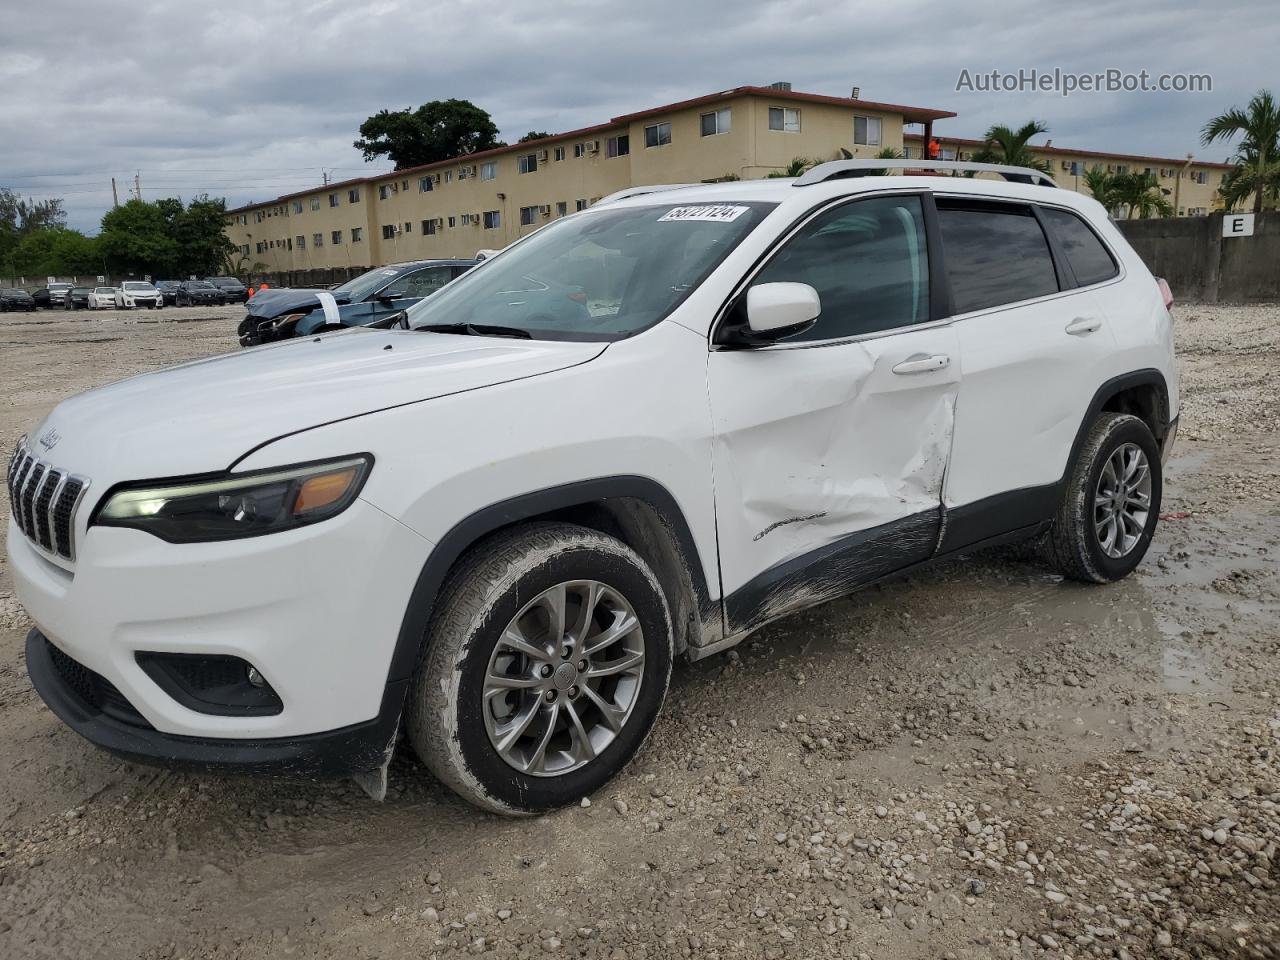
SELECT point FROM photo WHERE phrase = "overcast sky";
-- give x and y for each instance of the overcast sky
(249, 99)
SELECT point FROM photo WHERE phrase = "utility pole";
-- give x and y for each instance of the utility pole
(115, 197)
(137, 184)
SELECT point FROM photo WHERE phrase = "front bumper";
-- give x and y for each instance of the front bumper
(317, 610)
(335, 753)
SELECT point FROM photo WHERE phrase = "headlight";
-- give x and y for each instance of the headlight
(239, 505)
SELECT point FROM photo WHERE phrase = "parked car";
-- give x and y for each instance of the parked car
(101, 298)
(497, 537)
(138, 293)
(191, 293)
(12, 298)
(278, 314)
(54, 295)
(77, 298)
(169, 290)
(233, 291)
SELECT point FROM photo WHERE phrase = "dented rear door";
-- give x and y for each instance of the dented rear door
(830, 452)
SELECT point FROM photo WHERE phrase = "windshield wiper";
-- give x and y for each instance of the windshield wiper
(477, 330)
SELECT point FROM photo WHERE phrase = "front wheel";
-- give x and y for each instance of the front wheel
(549, 656)
(1110, 502)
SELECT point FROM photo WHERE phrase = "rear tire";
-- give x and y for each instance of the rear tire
(525, 725)
(1110, 502)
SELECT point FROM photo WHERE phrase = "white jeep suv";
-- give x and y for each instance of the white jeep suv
(642, 432)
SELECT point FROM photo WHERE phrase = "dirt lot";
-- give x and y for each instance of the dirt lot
(981, 761)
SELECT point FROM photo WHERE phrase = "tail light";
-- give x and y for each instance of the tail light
(1165, 293)
(578, 297)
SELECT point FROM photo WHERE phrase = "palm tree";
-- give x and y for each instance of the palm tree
(888, 153)
(795, 168)
(1140, 194)
(1102, 187)
(1012, 147)
(1257, 157)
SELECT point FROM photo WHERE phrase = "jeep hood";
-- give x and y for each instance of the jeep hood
(205, 415)
(269, 304)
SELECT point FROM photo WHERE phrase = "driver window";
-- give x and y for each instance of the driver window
(420, 284)
(869, 262)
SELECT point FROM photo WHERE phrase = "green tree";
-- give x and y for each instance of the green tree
(1013, 147)
(1257, 157)
(197, 231)
(1139, 194)
(888, 153)
(20, 218)
(435, 131)
(534, 135)
(795, 168)
(1102, 187)
(54, 252)
(136, 238)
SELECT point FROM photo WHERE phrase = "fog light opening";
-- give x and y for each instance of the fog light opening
(256, 678)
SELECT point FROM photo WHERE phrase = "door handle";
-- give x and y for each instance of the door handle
(1083, 325)
(939, 361)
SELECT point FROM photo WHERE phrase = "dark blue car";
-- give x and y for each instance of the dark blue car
(279, 314)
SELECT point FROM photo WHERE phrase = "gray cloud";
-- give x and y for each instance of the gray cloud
(249, 100)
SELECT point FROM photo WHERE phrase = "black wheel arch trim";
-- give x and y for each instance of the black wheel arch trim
(412, 638)
(1148, 377)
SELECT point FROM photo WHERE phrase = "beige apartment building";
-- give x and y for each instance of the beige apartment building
(1190, 185)
(489, 199)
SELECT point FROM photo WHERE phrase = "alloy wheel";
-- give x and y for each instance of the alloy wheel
(1122, 500)
(563, 679)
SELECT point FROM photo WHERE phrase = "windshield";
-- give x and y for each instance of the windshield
(227, 282)
(358, 288)
(59, 286)
(600, 276)
(137, 285)
(104, 289)
(198, 285)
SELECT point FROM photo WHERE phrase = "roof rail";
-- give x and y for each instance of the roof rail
(641, 191)
(839, 169)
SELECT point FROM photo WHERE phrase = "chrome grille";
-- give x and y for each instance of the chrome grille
(43, 500)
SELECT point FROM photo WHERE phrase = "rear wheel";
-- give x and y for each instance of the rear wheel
(550, 653)
(1110, 503)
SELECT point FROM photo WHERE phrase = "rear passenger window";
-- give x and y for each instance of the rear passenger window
(996, 254)
(869, 262)
(1089, 258)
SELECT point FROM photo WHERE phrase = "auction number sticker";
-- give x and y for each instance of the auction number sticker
(716, 213)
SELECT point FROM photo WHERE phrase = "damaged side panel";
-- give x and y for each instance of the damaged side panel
(816, 444)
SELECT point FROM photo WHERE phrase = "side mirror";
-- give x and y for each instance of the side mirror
(772, 311)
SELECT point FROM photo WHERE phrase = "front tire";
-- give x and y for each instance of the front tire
(1110, 502)
(550, 651)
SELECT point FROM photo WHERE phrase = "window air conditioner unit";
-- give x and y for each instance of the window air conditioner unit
(593, 146)
(542, 156)
(545, 209)
(1066, 164)
(474, 169)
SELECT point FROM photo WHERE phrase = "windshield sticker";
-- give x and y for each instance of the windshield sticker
(718, 213)
(389, 273)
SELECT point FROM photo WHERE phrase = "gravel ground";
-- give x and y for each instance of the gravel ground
(979, 761)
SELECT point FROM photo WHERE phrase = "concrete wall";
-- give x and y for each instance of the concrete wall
(1199, 264)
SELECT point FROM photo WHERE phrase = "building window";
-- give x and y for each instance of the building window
(1200, 177)
(527, 163)
(562, 208)
(315, 203)
(579, 149)
(388, 232)
(453, 222)
(786, 119)
(866, 131)
(333, 199)
(492, 219)
(424, 184)
(317, 239)
(408, 227)
(336, 237)
(717, 122)
(353, 195)
(301, 242)
(559, 153)
(528, 215)
(448, 176)
(357, 234)
(464, 172)
(297, 206)
(488, 171)
(1074, 168)
(619, 146)
(384, 191)
(657, 134)
(579, 205)
(428, 228)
